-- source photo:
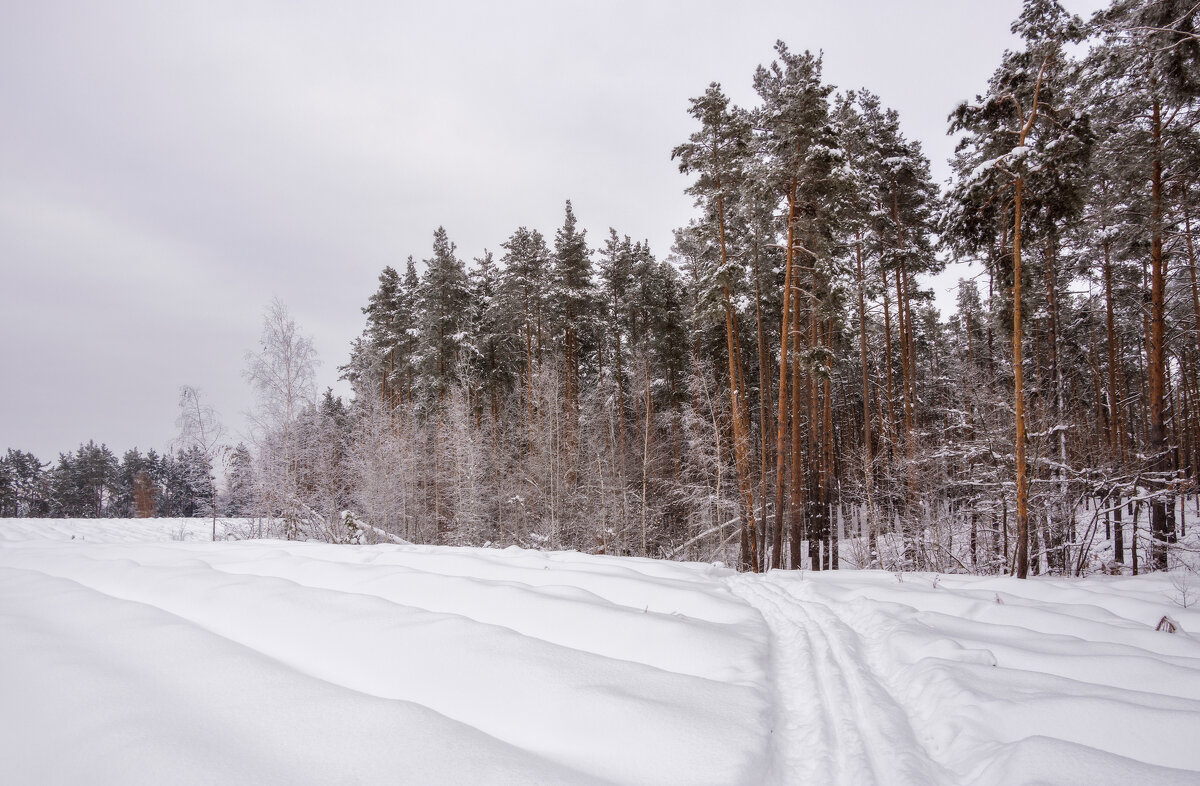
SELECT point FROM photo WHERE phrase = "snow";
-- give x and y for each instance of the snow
(137, 652)
(1044, 681)
(1013, 156)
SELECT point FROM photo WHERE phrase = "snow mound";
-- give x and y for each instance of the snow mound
(291, 663)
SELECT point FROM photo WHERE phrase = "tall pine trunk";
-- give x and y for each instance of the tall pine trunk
(737, 395)
(868, 457)
(1022, 556)
(781, 422)
(1160, 524)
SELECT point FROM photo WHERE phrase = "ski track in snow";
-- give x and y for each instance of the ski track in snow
(835, 721)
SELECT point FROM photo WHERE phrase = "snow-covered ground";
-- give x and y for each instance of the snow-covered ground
(135, 652)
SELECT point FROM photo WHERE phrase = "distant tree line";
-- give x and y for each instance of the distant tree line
(92, 482)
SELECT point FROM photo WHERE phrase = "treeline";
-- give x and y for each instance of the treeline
(793, 375)
(781, 385)
(92, 482)
(779, 391)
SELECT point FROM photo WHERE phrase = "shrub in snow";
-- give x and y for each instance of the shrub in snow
(354, 533)
(1183, 581)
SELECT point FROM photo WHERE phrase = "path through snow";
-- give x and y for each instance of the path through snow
(835, 721)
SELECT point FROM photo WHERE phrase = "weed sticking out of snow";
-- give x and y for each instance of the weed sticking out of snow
(1167, 625)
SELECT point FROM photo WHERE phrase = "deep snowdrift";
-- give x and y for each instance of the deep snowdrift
(126, 657)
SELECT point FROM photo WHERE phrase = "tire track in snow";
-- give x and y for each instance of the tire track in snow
(836, 723)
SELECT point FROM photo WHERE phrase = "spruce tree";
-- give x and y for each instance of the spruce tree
(523, 298)
(443, 299)
(240, 496)
(571, 299)
(492, 352)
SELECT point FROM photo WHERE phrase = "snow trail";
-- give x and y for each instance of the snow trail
(835, 721)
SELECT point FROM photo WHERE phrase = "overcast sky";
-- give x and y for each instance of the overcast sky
(168, 168)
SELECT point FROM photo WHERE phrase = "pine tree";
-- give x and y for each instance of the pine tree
(1151, 59)
(855, 115)
(1019, 141)
(716, 154)
(798, 157)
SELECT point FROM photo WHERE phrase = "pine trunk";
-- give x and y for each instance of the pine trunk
(1160, 525)
(868, 458)
(1022, 556)
(781, 422)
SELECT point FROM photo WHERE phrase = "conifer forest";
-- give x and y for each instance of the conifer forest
(778, 389)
